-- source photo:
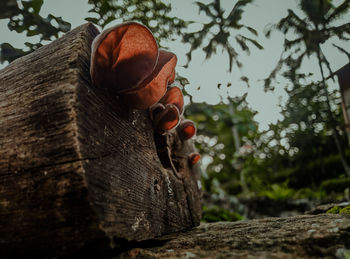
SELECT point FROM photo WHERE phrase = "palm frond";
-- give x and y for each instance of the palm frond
(228, 28)
(272, 76)
(206, 9)
(241, 42)
(269, 29)
(217, 6)
(233, 56)
(254, 42)
(236, 13)
(288, 44)
(342, 50)
(195, 39)
(339, 11)
(325, 61)
(292, 22)
(252, 30)
(339, 31)
(316, 10)
(210, 48)
(293, 66)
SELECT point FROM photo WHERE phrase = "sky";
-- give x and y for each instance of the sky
(208, 73)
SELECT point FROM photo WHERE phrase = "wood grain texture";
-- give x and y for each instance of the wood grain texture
(78, 168)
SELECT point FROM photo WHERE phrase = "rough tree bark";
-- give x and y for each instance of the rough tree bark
(78, 170)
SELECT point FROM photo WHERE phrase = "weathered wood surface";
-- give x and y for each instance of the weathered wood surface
(307, 236)
(77, 168)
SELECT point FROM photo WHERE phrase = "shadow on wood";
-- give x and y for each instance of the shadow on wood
(77, 169)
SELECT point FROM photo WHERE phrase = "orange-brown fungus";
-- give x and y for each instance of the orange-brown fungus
(123, 57)
(186, 130)
(167, 119)
(155, 110)
(153, 88)
(194, 158)
(126, 61)
(174, 96)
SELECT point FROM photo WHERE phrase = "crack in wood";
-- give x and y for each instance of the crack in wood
(58, 164)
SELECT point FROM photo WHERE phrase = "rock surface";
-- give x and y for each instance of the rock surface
(306, 236)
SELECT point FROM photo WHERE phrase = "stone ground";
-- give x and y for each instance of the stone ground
(305, 236)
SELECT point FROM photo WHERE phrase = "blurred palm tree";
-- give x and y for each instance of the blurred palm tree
(316, 26)
(229, 26)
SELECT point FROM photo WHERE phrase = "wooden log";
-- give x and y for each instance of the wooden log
(78, 170)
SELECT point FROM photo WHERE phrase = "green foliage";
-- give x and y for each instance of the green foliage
(228, 27)
(278, 192)
(300, 148)
(336, 185)
(315, 194)
(214, 214)
(281, 191)
(154, 14)
(216, 142)
(24, 17)
(315, 27)
(290, 160)
(295, 155)
(8, 8)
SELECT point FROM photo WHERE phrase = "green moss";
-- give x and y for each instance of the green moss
(334, 210)
(338, 210)
(215, 214)
(345, 211)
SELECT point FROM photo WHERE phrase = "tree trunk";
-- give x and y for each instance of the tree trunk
(77, 168)
(237, 144)
(332, 119)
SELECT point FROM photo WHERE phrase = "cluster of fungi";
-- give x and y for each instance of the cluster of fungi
(127, 62)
